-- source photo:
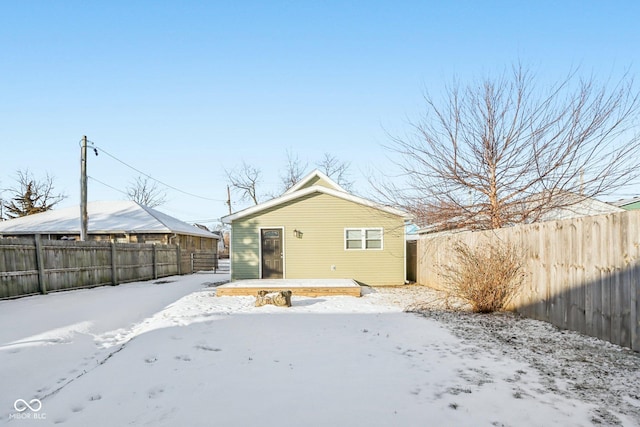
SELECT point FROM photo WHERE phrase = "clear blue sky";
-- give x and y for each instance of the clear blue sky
(183, 90)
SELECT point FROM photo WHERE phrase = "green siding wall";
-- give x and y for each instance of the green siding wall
(317, 181)
(632, 206)
(320, 252)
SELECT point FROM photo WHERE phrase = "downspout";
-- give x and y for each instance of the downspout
(172, 237)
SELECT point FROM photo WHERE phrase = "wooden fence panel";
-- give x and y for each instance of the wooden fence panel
(18, 268)
(135, 262)
(29, 267)
(72, 265)
(581, 274)
(195, 261)
(166, 261)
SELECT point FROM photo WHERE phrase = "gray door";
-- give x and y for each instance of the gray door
(272, 267)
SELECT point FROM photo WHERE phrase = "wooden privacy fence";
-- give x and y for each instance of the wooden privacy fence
(201, 261)
(582, 274)
(38, 266)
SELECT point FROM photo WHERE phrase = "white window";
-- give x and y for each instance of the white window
(363, 238)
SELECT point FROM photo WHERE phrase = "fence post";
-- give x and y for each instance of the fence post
(114, 265)
(191, 262)
(179, 255)
(635, 308)
(155, 262)
(40, 263)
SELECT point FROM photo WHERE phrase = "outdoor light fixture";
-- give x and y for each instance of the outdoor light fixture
(297, 233)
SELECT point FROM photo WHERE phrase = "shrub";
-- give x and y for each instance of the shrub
(487, 276)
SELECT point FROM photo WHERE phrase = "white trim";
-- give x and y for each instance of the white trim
(308, 178)
(284, 270)
(404, 253)
(306, 191)
(230, 253)
(363, 238)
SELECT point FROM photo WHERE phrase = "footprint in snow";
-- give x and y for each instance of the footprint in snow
(94, 397)
(207, 348)
(155, 392)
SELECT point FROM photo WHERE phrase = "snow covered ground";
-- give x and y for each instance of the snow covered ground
(170, 353)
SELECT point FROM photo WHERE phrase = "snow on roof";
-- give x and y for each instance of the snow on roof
(123, 216)
(583, 207)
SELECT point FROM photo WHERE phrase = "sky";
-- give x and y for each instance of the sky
(183, 91)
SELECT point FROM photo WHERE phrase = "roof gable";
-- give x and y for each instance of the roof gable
(315, 178)
(303, 189)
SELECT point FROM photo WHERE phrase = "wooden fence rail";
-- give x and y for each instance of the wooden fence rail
(582, 274)
(37, 266)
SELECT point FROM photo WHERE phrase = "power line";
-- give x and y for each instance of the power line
(107, 185)
(96, 147)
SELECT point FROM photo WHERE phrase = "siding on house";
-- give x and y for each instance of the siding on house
(320, 251)
(628, 204)
(317, 180)
(632, 206)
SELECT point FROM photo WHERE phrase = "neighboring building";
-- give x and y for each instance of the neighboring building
(223, 244)
(583, 206)
(317, 230)
(116, 221)
(628, 204)
(569, 206)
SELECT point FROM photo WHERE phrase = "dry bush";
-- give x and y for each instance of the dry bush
(487, 276)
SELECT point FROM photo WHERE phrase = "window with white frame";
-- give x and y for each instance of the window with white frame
(363, 238)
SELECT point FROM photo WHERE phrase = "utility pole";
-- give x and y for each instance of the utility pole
(229, 199)
(84, 216)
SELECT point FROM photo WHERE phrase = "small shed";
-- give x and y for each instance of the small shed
(318, 230)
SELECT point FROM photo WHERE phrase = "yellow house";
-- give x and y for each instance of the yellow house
(317, 230)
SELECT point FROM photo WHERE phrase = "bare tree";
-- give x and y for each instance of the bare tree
(245, 180)
(30, 195)
(335, 169)
(293, 172)
(146, 192)
(503, 151)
